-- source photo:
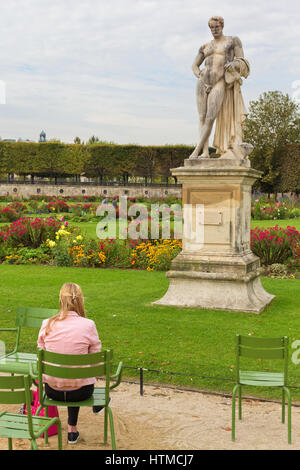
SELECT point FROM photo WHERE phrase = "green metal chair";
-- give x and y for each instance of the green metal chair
(262, 348)
(17, 362)
(16, 390)
(71, 366)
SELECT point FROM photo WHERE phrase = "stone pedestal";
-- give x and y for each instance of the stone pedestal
(216, 268)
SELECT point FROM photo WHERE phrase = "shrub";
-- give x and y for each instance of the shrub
(277, 270)
(61, 253)
(17, 206)
(31, 232)
(79, 209)
(87, 253)
(57, 206)
(8, 214)
(34, 205)
(269, 209)
(275, 244)
(117, 252)
(156, 255)
(29, 256)
(76, 209)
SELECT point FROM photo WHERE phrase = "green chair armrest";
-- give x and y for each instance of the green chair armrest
(32, 374)
(117, 375)
(8, 329)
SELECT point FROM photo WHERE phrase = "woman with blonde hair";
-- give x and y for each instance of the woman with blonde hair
(70, 332)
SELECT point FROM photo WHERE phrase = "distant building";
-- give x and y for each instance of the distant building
(24, 140)
(15, 140)
(43, 137)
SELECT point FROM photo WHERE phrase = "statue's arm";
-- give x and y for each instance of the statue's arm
(197, 62)
(238, 54)
(238, 48)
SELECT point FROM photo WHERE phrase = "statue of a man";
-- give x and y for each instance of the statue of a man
(218, 93)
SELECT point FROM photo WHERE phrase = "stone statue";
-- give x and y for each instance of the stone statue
(219, 96)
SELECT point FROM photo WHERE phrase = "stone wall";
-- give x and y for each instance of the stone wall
(27, 190)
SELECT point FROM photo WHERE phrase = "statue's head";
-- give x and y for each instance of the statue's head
(216, 24)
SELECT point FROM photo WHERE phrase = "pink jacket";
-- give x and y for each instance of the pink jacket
(73, 335)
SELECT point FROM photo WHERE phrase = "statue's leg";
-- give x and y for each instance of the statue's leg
(201, 99)
(214, 102)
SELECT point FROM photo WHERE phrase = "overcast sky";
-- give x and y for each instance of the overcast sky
(121, 69)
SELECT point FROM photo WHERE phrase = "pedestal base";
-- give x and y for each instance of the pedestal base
(216, 268)
(216, 291)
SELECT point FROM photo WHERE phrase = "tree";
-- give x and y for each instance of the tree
(93, 140)
(272, 123)
(77, 140)
(290, 169)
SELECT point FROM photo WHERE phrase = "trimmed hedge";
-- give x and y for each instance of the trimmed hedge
(101, 160)
(106, 161)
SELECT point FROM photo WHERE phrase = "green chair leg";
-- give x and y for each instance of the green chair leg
(289, 414)
(283, 406)
(34, 445)
(46, 432)
(10, 444)
(240, 402)
(59, 435)
(112, 429)
(105, 424)
(237, 386)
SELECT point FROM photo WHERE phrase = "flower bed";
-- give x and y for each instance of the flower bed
(51, 241)
(8, 214)
(57, 206)
(277, 245)
(269, 209)
(30, 232)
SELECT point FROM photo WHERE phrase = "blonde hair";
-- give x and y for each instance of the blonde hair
(70, 300)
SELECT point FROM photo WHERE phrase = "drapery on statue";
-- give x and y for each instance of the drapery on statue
(219, 95)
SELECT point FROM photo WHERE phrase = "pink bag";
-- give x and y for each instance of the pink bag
(52, 412)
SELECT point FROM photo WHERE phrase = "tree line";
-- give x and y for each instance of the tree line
(102, 161)
(272, 127)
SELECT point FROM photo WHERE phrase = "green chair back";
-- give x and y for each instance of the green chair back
(75, 366)
(79, 366)
(15, 389)
(262, 348)
(33, 317)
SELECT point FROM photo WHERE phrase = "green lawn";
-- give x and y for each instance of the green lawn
(281, 223)
(188, 341)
